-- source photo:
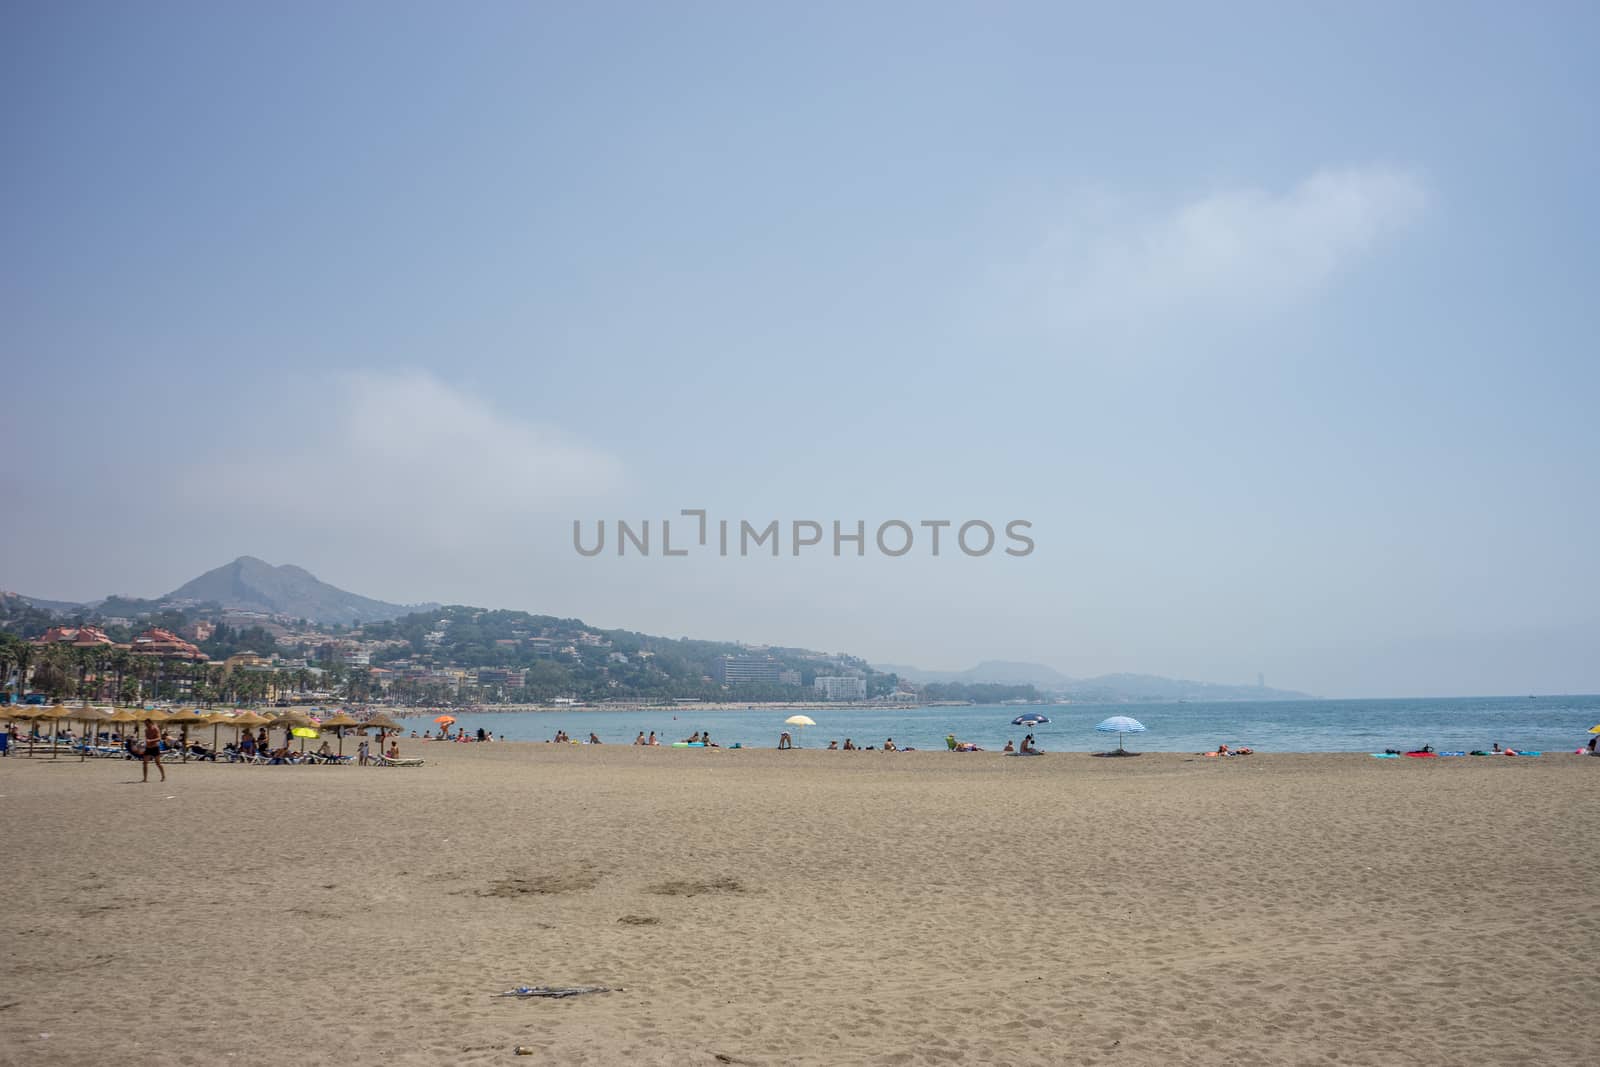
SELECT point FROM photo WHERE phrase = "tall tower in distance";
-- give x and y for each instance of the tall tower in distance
(1261, 680)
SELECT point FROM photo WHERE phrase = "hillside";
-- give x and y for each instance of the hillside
(250, 584)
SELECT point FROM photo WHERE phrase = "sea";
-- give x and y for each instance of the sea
(1543, 723)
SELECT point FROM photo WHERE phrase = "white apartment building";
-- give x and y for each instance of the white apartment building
(835, 688)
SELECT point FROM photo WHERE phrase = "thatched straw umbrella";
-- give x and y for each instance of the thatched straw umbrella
(289, 719)
(24, 713)
(54, 715)
(383, 724)
(91, 718)
(339, 722)
(185, 718)
(246, 720)
(125, 715)
(216, 720)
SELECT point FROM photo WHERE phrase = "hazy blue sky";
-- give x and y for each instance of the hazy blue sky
(1279, 325)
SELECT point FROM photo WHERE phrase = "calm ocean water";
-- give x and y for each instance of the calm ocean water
(1551, 724)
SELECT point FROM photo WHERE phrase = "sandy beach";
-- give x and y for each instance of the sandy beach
(764, 907)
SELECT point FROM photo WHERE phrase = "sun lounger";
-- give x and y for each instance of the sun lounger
(385, 761)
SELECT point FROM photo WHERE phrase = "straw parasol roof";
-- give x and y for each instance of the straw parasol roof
(382, 722)
(20, 712)
(153, 714)
(58, 712)
(250, 718)
(339, 720)
(186, 717)
(291, 717)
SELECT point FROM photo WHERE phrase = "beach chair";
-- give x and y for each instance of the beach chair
(385, 761)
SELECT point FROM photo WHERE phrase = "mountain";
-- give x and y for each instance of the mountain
(249, 584)
(1109, 688)
(989, 672)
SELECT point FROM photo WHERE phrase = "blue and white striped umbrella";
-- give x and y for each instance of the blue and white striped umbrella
(1120, 725)
(1029, 720)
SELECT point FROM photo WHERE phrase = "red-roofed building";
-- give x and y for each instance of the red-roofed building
(166, 644)
(76, 636)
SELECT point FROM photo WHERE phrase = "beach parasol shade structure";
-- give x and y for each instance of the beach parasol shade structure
(1594, 729)
(383, 724)
(1120, 725)
(446, 720)
(287, 720)
(185, 718)
(802, 721)
(1030, 720)
(91, 719)
(216, 720)
(53, 715)
(339, 722)
(24, 713)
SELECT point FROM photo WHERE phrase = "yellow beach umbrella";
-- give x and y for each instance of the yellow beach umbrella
(1594, 729)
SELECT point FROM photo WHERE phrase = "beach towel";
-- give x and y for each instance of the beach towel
(1385, 755)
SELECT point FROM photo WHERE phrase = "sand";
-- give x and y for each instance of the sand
(803, 907)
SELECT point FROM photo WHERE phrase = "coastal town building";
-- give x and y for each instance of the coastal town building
(747, 670)
(165, 644)
(75, 637)
(836, 688)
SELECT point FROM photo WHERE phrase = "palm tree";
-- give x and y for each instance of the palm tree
(54, 672)
(23, 655)
(121, 661)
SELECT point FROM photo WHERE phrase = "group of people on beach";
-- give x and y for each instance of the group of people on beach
(460, 735)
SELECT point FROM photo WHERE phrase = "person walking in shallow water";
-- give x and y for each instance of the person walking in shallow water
(152, 751)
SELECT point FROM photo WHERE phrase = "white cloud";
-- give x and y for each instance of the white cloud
(409, 457)
(1240, 252)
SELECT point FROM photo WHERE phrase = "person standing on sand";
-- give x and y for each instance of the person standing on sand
(785, 741)
(152, 751)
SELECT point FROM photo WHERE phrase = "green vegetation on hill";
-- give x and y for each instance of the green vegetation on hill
(563, 657)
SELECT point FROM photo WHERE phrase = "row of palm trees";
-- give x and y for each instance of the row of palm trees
(105, 672)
